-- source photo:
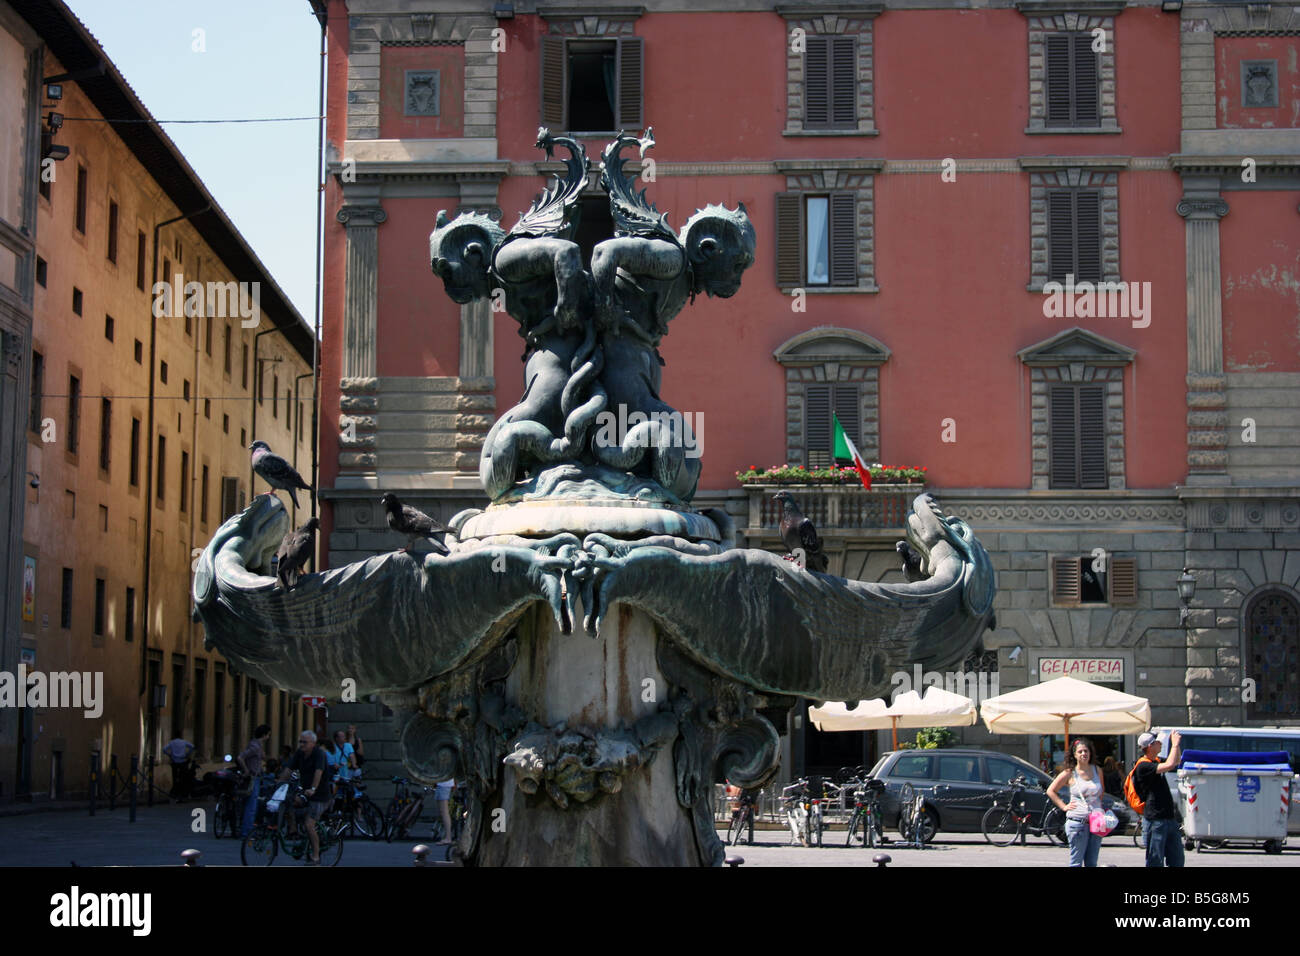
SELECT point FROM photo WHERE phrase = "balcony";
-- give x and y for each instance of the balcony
(834, 508)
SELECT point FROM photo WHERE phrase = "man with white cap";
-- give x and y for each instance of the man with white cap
(1161, 824)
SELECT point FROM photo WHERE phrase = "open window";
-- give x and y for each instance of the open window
(592, 84)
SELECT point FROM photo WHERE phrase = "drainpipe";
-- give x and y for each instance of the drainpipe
(315, 339)
(312, 474)
(152, 440)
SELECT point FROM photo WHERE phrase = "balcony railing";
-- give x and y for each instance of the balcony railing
(835, 506)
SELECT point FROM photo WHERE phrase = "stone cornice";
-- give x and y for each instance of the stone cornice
(1230, 164)
(1052, 163)
(1050, 8)
(806, 11)
(555, 12)
(854, 164)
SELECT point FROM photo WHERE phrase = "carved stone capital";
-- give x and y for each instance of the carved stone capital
(352, 216)
(1202, 208)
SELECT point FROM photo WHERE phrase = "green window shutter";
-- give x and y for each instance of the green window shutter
(1092, 436)
(789, 239)
(817, 429)
(555, 81)
(1063, 468)
(631, 77)
(817, 82)
(843, 95)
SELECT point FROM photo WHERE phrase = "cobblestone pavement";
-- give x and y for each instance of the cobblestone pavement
(160, 833)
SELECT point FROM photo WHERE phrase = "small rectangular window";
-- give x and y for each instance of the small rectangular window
(65, 601)
(185, 389)
(77, 301)
(105, 432)
(225, 349)
(203, 496)
(130, 615)
(42, 272)
(140, 249)
(74, 413)
(80, 220)
(160, 492)
(37, 391)
(112, 232)
(229, 497)
(135, 452)
(207, 336)
(185, 481)
(138, 352)
(225, 424)
(162, 372)
(1072, 81)
(1094, 579)
(100, 585)
(108, 327)
(275, 396)
(244, 367)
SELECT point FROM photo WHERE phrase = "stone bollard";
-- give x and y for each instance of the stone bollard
(882, 860)
(734, 860)
(421, 853)
(191, 857)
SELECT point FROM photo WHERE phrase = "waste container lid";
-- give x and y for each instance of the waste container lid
(1276, 760)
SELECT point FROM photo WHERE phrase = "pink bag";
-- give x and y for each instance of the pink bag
(1102, 822)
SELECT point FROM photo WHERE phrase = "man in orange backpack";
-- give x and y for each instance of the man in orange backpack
(1161, 822)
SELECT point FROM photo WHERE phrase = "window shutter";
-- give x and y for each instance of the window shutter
(1060, 234)
(844, 238)
(1092, 436)
(1065, 580)
(818, 433)
(843, 83)
(229, 497)
(631, 76)
(1087, 235)
(789, 239)
(817, 82)
(1062, 438)
(1058, 80)
(554, 83)
(848, 409)
(1086, 111)
(1123, 581)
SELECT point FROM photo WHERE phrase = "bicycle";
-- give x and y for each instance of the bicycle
(283, 826)
(916, 824)
(742, 819)
(356, 812)
(407, 814)
(1004, 823)
(867, 814)
(227, 816)
(794, 799)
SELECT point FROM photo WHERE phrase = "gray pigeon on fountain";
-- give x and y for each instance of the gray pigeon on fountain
(798, 533)
(295, 550)
(412, 522)
(275, 471)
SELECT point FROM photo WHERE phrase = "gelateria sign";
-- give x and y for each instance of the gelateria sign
(1098, 670)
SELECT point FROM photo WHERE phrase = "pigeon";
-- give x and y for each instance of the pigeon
(797, 532)
(912, 559)
(295, 550)
(275, 471)
(411, 522)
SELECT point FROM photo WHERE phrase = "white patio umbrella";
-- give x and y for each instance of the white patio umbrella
(938, 708)
(1065, 704)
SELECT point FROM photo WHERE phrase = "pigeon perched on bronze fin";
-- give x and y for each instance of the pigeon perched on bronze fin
(798, 533)
(295, 550)
(275, 471)
(412, 522)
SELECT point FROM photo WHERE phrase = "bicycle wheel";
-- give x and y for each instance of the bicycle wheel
(368, 821)
(818, 825)
(875, 834)
(1054, 826)
(906, 797)
(259, 847)
(292, 841)
(749, 825)
(853, 829)
(405, 820)
(221, 821)
(1000, 826)
(390, 824)
(331, 846)
(733, 830)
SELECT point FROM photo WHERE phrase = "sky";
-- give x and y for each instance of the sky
(251, 59)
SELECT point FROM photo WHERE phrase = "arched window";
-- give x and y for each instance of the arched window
(1272, 655)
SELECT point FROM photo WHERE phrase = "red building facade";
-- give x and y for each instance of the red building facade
(919, 175)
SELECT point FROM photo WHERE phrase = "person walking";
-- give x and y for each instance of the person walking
(251, 761)
(1161, 822)
(1083, 780)
(358, 746)
(179, 751)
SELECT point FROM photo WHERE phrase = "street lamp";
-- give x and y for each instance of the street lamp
(1186, 591)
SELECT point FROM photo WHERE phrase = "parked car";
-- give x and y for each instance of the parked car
(960, 785)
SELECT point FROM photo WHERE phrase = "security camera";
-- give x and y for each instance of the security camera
(36, 480)
(1015, 653)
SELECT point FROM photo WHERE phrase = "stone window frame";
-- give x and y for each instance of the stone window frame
(1247, 605)
(818, 176)
(826, 19)
(830, 355)
(576, 23)
(1077, 356)
(1046, 17)
(1048, 173)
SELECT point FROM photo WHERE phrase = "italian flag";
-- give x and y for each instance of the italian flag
(844, 448)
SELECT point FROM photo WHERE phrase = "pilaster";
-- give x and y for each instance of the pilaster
(1207, 396)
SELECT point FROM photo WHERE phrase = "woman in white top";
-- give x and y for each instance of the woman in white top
(1083, 779)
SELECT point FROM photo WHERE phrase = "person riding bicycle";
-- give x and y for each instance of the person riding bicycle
(313, 775)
